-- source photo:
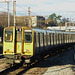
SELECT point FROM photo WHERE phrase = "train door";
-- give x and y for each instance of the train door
(18, 40)
(9, 40)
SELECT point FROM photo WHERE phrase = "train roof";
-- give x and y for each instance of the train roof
(44, 31)
(50, 31)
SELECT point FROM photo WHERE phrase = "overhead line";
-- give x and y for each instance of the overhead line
(25, 9)
(18, 12)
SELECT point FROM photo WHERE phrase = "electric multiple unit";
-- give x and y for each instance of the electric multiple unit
(24, 44)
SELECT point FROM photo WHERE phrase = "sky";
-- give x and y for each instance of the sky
(65, 8)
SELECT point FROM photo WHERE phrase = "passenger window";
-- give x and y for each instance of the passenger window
(41, 39)
(53, 38)
(45, 40)
(50, 38)
(58, 39)
(35, 37)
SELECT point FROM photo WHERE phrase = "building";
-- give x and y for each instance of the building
(21, 20)
(69, 24)
(35, 20)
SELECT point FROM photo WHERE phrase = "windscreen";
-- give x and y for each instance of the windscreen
(28, 36)
(9, 35)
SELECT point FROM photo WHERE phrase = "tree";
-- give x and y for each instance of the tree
(64, 20)
(54, 18)
(4, 19)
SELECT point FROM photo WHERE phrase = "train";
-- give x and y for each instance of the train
(26, 45)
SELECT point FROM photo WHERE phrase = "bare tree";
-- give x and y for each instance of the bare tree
(4, 19)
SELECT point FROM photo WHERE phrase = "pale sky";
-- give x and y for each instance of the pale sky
(66, 8)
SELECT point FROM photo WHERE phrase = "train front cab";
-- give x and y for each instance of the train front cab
(27, 44)
(12, 44)
(9, 44)
(18, 44)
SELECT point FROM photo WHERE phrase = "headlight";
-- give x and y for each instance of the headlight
(25, 50)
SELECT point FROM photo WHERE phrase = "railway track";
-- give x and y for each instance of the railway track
(1, 56)
(18, 69)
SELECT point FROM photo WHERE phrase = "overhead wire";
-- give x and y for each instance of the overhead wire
(20, 11)
(10, 10)
(25, 9)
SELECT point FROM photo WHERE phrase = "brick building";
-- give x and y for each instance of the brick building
(35, 20)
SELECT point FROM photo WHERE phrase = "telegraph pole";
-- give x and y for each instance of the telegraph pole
(14, 10)
(8, 10)
(29, 24)
(8, 15)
